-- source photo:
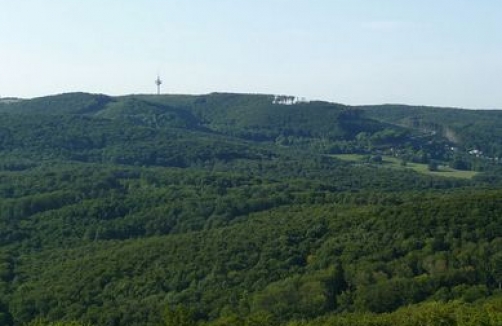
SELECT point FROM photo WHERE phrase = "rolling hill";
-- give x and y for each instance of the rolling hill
(470, 129)
(238, 209)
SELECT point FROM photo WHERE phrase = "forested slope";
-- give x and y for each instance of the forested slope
(471, 129)
(231, 209)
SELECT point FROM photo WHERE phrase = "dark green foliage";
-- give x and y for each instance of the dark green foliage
(284, 262)
(40, 322)
(467, 129)
(225, 209)
(70, 103)
(429, 314)
(179, 316)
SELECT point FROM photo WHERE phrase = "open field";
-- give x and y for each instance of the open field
(395, 163)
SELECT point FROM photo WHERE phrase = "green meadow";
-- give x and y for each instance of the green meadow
(395, 163)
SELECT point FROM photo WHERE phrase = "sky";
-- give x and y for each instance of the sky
(417, 52)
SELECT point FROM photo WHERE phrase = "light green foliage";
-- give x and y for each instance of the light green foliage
(394, 163)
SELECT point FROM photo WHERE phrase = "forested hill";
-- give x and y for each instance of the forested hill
(474, 129)
(283, 119)
(241, 209)
(461, 139)
(254, 117)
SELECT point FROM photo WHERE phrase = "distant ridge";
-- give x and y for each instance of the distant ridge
(283, 118)
(8, 100)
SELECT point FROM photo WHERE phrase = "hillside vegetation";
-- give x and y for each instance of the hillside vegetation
(469, 129)
(236, 209)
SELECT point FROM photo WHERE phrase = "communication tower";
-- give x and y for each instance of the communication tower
(158, 82)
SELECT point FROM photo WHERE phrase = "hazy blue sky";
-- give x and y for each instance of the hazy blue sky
(431, 52)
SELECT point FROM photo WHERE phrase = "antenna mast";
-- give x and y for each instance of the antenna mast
(158, 82)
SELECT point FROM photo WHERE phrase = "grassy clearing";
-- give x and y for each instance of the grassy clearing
(349, 157)
(395, 163)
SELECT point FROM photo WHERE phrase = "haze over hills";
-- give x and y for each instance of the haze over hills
(247, 209)
(265, 118)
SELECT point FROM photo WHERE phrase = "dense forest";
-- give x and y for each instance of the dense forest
(242, 209)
